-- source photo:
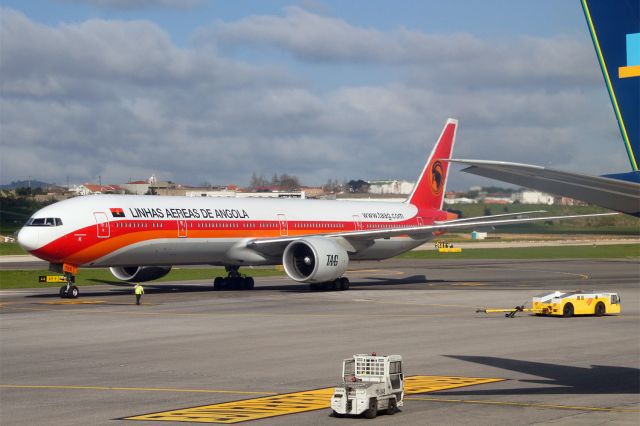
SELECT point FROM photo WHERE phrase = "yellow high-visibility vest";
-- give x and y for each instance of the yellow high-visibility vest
(139, 289)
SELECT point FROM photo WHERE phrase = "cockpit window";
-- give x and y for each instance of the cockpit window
(44, 221)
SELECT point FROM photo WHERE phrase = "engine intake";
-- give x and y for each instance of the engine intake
(314, 260)
(140, 273)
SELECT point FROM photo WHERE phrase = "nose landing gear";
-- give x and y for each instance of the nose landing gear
(69, 291)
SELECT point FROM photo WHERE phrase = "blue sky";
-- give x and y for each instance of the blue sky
(213, 91)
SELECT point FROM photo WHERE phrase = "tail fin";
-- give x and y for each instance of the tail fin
(429, 190)
(616, 38)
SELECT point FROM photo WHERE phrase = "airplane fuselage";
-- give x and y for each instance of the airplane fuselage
(129, 230)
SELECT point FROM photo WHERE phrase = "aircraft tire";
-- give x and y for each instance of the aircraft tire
(63, 292)
(73, 292)
(249, 283)
(217, 283)
(344, 283)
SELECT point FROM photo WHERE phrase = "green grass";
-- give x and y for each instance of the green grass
(10, 248)
(572, 252)
(611, 225)
(29, 279)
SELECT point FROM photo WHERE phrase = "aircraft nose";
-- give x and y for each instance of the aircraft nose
(28, 239)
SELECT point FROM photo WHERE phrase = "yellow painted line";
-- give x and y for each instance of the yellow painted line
(251, 409)
(293, 403)
(74, 302)
(425, 384)
(114, 388)
(524, 404)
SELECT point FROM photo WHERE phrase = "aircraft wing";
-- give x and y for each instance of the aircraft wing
(614, 194)
(354, 239)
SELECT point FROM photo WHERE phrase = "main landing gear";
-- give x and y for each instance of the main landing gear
(69, 291)
(339, 284)
(233, 281)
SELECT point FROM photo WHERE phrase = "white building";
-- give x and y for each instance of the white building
(532, 197)
(399, 187)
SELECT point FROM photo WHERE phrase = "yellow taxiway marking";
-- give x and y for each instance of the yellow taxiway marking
(523, 404)
(293, 403)
(112, 388)
(74, 302)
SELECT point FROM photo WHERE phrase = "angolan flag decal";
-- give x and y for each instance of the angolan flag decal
(117, 212)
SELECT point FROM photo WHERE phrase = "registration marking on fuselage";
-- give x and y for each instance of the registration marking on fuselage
(294, 403)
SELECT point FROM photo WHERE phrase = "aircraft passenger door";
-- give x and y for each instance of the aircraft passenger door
(357, 222)
(102, 224)
(284, 226)
(182, 228)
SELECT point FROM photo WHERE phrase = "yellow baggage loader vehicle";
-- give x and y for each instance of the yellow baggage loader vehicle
(568, 304)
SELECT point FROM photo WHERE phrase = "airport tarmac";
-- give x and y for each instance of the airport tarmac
(100, 359)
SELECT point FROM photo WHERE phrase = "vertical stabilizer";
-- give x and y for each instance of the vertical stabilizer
(429, 190)
(615, 31)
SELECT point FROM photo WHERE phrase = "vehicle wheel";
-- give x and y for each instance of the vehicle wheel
(392, 408)
(600, 309)
(74, 292)
(63, 292)
(567, 310)
(344, 283)
(372, 411)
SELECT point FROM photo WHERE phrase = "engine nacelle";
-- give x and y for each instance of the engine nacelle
(140, 273)
(315, 260)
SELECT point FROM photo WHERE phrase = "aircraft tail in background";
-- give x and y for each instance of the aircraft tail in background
(429, 190)
(615, 31)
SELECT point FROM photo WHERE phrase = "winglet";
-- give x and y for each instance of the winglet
(429, 190)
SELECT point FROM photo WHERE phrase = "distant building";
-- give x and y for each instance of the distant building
(138, 187)
(457, 198)
(90, 189)
(497, 200)
(396, 187)
(532, 197)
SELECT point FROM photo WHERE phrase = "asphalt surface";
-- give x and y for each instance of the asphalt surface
(106, 359)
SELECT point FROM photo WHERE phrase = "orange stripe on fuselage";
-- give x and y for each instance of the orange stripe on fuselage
(83, 246)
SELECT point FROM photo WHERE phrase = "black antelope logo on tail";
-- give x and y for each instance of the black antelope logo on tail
(436, 178)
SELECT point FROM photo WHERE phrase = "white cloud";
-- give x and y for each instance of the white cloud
(119, 99)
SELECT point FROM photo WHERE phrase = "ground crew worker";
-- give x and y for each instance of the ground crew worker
(139, 291)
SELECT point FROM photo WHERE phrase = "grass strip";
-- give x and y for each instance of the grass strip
(29, 278)
(549, 252)
(7, 249)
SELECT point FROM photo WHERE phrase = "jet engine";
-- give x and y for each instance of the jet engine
(140, 273)
(315, 260)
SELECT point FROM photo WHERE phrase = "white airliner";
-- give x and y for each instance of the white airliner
(141, 237)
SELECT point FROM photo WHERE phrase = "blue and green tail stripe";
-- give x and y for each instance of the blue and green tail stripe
(615, 31)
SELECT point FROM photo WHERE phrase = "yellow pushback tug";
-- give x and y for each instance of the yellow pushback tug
(567, 304)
